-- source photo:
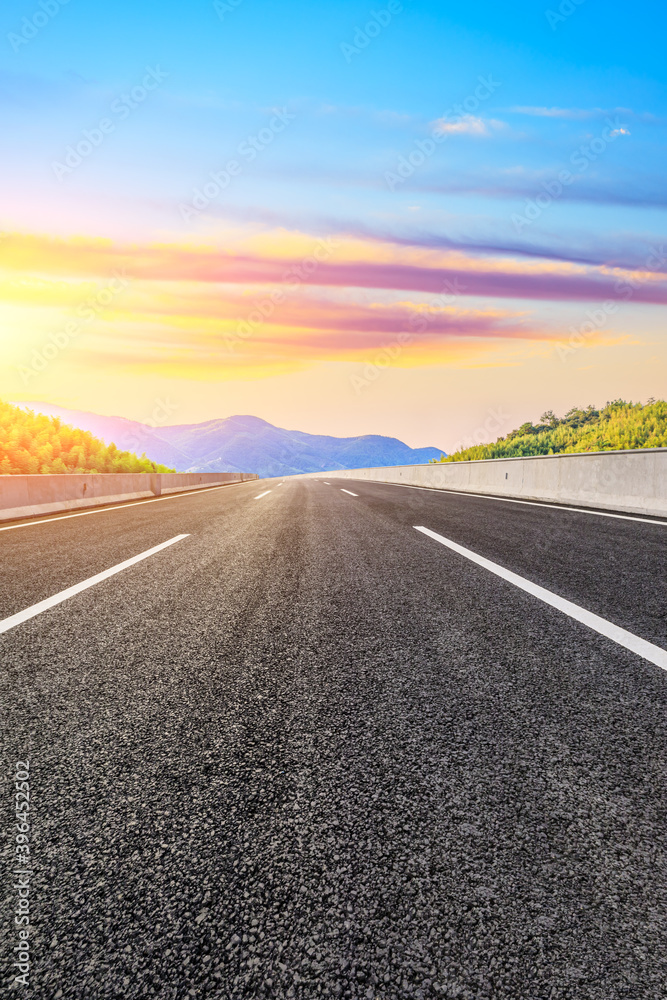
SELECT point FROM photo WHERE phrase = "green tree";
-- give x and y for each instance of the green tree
(32, 444)
(616, 427)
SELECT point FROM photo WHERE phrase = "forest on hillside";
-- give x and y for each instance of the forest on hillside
(31, 443)
(615, 427)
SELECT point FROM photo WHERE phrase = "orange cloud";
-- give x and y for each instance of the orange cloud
(329, 263)
(278, 304)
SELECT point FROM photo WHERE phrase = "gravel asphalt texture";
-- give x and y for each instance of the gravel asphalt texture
(307, 752)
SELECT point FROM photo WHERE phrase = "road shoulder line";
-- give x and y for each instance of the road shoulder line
(546, 505)
(125, 505)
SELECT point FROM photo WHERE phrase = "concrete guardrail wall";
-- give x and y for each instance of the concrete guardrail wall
(634, 481)
(26, 496)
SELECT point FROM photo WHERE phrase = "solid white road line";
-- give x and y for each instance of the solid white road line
(647, 650)
(350, 492)
(265, 493)
(528, 503)
(119, 506)
(64, 595)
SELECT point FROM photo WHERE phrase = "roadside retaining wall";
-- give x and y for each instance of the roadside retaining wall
(634, 481)
(27, 496)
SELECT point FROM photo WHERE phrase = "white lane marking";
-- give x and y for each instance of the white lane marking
(120, 506)
(349, 491)
(265, 493)
(647, 650)
(529, 503)
(326, 484)
(64, 595)
(280, 484)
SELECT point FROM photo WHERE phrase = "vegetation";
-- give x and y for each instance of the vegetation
(32, 443)
(616, 426)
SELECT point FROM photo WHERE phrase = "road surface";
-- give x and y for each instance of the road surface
(306, 750)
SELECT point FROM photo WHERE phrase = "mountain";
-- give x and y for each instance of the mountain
(242, 444)
(128, 435)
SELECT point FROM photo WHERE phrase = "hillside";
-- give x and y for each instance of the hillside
(245, 444)
(32, 443)
(617, 426)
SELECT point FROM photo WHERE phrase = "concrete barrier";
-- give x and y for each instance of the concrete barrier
(27, 496)
(634, 481)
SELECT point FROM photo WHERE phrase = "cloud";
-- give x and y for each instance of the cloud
(325, 321)
(615, 183)
(295, 260)
(571, 114)
(623, 189)
(585, 114)
(467, 125)
(204, 312)
(625, 250)
(384, 117)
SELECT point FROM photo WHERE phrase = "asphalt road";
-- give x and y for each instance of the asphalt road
(307, 751)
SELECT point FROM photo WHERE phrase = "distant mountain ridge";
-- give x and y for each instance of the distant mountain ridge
(242, 444)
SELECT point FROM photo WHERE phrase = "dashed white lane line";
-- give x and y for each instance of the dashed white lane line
(126, 505)
(647, 650)
(350, 492)
(265, 493)
(64, 595)
(280, 484)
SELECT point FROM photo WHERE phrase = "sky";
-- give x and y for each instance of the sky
(428, 220)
